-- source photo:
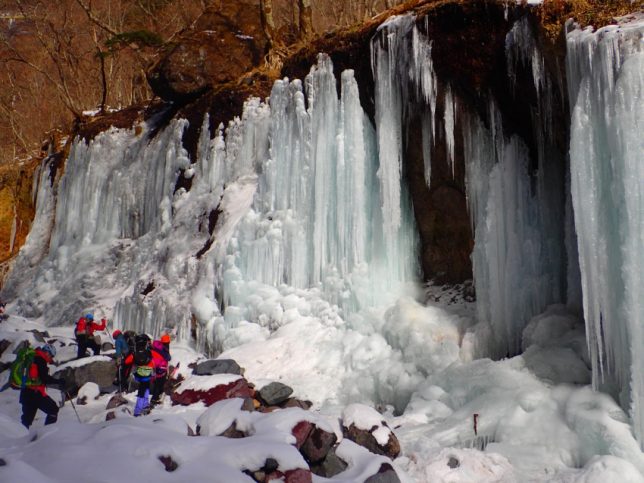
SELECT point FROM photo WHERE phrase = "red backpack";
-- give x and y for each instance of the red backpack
(82, 327)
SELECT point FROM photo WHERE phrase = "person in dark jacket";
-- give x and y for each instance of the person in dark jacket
(33, 395)
(122, 349)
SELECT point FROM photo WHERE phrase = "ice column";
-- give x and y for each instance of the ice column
(517, 215)
(606, 86)
(318, 214)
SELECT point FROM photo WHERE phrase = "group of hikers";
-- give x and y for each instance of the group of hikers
(136, 355)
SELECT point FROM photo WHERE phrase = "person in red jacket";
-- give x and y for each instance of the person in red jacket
(84, 332)
(33, 395)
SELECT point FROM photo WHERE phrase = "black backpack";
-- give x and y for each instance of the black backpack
(129, 336)
(142, 352)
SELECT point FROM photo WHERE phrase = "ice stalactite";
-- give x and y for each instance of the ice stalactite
(516, 203)
(606, 86)
(315, 219)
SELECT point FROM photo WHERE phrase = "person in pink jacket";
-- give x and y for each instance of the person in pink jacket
(161, 356)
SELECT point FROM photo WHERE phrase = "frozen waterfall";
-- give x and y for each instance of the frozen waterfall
(518, 216)
(606, 85)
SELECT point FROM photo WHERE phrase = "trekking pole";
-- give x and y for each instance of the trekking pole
(73, 406)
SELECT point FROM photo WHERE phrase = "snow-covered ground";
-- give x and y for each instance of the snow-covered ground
(529, 418)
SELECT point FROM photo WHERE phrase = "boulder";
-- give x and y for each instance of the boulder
(233, 432)
(227, 41)
(365, 438)
(298, 475)
(116, 401)
(168, 463)
(364, 426)
(40, 336)
(317, 445)
(293, 402)
(331, 465)
(213, 389)
(386, 474)
(98, 369)
(217, 366)
(301, 431)
(107, 346)
(275, 393)
(87, 392)
(4, 345)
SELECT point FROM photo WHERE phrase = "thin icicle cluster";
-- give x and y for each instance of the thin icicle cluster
(606, 85)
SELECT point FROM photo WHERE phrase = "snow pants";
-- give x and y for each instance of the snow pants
(32, 401)
(157, 386)
(85, 341)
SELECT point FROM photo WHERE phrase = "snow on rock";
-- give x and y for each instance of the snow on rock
(88, 392)
(219, 417)
(96, 369)
(210, 389)
(365, 426)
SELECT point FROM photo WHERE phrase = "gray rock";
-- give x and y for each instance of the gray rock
(116, 401)
(39, 336)
(217, 366)
(317, 445)
(331, 466)
(453, 462)
(101, 372)
(106, 346)
(386, 474)
(20, 346)
(275, 393)
(4, 345)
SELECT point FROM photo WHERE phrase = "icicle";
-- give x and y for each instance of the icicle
(450, 109)
(606, 89)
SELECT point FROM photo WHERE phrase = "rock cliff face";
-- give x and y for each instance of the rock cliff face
(226, 42)
(216, 65)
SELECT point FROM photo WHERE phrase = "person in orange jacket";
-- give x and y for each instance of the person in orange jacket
(84, 333)
(33, 395)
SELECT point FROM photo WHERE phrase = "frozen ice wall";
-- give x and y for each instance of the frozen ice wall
(329, 212)
(98, 231)
(606, 85)
(299, 194)
(518, 215)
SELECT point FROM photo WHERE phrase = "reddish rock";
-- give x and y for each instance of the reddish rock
(226, 42)
(296, 403)
(233, 432)
(386, 474)
(238, 388)
(274, 476)
(317, 445)
(364, 438)
(301, 431)
(299, 475)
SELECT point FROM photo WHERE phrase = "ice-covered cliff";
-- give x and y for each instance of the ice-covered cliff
(308, 205)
